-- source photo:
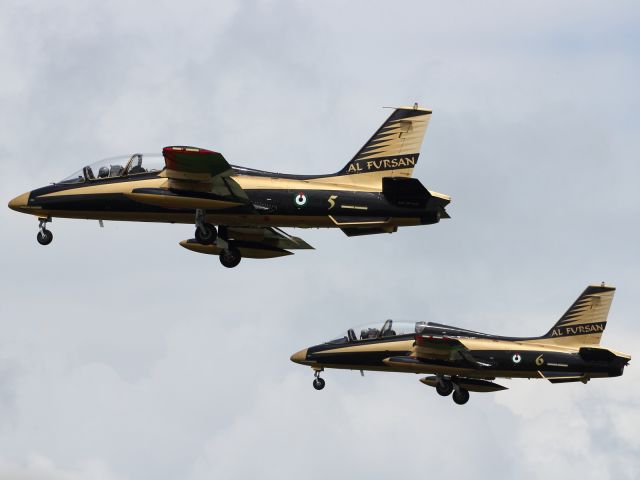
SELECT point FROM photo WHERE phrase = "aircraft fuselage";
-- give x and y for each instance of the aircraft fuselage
(273, 201)
(507, 359)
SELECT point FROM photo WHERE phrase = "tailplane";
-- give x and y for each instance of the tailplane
(392, 151)
(586, 319)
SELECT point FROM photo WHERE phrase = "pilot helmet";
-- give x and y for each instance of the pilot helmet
(103, 172)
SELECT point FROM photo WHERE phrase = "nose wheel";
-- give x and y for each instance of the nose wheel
(44, 237)
(206, 233)
(318, 383)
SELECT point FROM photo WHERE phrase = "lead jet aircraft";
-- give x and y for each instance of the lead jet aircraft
(374, 193)
(464, 361)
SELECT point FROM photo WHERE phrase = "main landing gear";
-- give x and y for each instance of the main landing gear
(206, 233)
(230, 257)
(318, 383)
(460, 396)
(446, 386)
(44, 237)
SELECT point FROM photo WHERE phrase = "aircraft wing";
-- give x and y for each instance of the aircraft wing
(253, 243)
(431, 347)
(564, 377)
(274, 237)
(438, 347)
(197, 169)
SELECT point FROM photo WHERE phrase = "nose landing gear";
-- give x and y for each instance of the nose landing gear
(318, 383)
(44, 237)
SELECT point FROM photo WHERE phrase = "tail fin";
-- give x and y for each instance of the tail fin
(392, 151)
(586, 319)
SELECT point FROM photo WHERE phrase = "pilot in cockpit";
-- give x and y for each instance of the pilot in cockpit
(369, 333)
(103, 172)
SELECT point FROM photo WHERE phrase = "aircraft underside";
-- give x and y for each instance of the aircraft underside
(230, 229)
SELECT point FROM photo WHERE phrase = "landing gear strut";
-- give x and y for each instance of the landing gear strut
(206, 233)
(44, 237)
(318, 383)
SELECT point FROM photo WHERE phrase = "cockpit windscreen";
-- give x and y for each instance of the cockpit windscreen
(372, 331)
(117, 167)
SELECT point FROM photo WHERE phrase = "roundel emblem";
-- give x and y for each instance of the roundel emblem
(301, 199)
(516, 358)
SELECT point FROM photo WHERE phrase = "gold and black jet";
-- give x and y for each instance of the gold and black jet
(374, 193)
(463, 361)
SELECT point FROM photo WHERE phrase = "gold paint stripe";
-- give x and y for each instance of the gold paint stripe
(170, 201)
(354, 207)
(105, 188)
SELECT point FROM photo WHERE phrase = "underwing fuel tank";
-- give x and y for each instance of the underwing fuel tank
(247, 249)
(471, 384)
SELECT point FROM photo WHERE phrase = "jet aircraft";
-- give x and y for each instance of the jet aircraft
(463, 361)
(237, 211)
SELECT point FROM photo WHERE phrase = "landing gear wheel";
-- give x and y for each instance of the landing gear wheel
(44, 237)
(318, 383)
(461, 396)
(206, 234)
(444, 388)
(230, 257)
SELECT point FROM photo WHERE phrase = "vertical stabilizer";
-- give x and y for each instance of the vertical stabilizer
(393, 149)
(586, 319)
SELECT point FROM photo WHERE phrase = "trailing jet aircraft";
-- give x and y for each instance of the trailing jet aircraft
(374, 193)
(464, 361)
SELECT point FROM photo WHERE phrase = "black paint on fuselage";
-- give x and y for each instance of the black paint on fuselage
(273, 202)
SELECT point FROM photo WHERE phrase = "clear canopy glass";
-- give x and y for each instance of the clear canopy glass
(117, 167)
(372, 331)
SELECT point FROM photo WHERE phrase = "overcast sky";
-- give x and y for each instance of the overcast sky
(124, 356)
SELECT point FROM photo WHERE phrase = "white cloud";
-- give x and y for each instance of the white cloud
(122, 352)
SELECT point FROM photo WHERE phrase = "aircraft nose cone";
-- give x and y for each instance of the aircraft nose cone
(299, 357)
(19, 202)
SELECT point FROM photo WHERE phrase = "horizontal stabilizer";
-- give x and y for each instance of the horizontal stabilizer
(471, 384)
(357, 232)
(565, 377)
(596, 354)
(405, 192)
(359, 222)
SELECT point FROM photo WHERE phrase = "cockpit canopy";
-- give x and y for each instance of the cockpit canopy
(117, 167)
(389, 328)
